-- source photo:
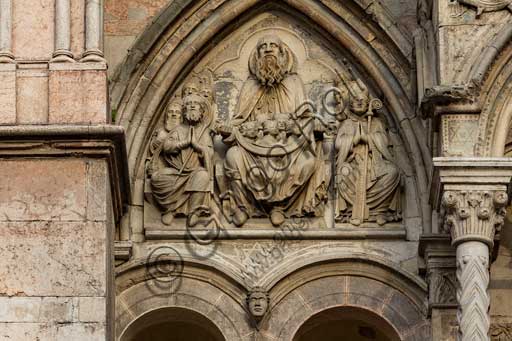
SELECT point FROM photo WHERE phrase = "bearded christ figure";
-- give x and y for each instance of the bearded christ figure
(281, 177)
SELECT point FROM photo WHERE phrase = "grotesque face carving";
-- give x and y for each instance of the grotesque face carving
(173, 115)
(194, 108)
(258, 303)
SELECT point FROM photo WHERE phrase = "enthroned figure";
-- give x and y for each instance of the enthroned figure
(184, 185)
(273, 172)
(367, 178)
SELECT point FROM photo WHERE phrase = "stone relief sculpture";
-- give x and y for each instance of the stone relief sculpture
(183, 184)
(488, 5)
(272, 162)
(272, 158)
(442, 287)
(367, 178)
(257, 302)
(501, 332)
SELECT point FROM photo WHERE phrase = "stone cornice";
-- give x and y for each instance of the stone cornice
(88, 141)
(450, 99)
(465, 173)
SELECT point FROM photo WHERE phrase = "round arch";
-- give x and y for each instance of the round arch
(181, 323)
(348, 323)
(198, 290)
(360, 285)
(158, 65)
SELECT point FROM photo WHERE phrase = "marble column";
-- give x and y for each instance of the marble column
(6, 55)
(93, 31)
(471, 195)
(62, 32)
(473, 215)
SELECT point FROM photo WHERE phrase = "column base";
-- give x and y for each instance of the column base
(62, 56)
(6, 57)
(95, 56)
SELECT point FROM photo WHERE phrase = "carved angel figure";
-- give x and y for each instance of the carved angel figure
(367, 179)
(275, 172)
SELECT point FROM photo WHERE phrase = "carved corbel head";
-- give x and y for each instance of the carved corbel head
(258, 301)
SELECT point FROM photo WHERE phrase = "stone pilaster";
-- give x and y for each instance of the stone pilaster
(471, 194)
(439, 271)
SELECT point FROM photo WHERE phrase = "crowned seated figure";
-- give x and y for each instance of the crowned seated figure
(277, 174)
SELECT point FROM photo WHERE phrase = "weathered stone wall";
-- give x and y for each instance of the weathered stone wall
(55, 236)
(126, 20)
(62, 194)
(57, 213)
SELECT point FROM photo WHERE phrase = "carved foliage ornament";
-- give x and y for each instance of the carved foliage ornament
(474, 215)
(442, 287)
(501, 332)
(488, 5)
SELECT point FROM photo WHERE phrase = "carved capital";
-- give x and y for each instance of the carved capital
(474, 215)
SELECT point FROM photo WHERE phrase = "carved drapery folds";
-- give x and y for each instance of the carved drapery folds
(276, 156)
(474, 215)
(180, 167)
(367, 178)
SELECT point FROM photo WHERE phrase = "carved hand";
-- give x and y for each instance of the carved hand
(183, 145)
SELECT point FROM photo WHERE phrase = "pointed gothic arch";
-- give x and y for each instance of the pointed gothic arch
(185, 32)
